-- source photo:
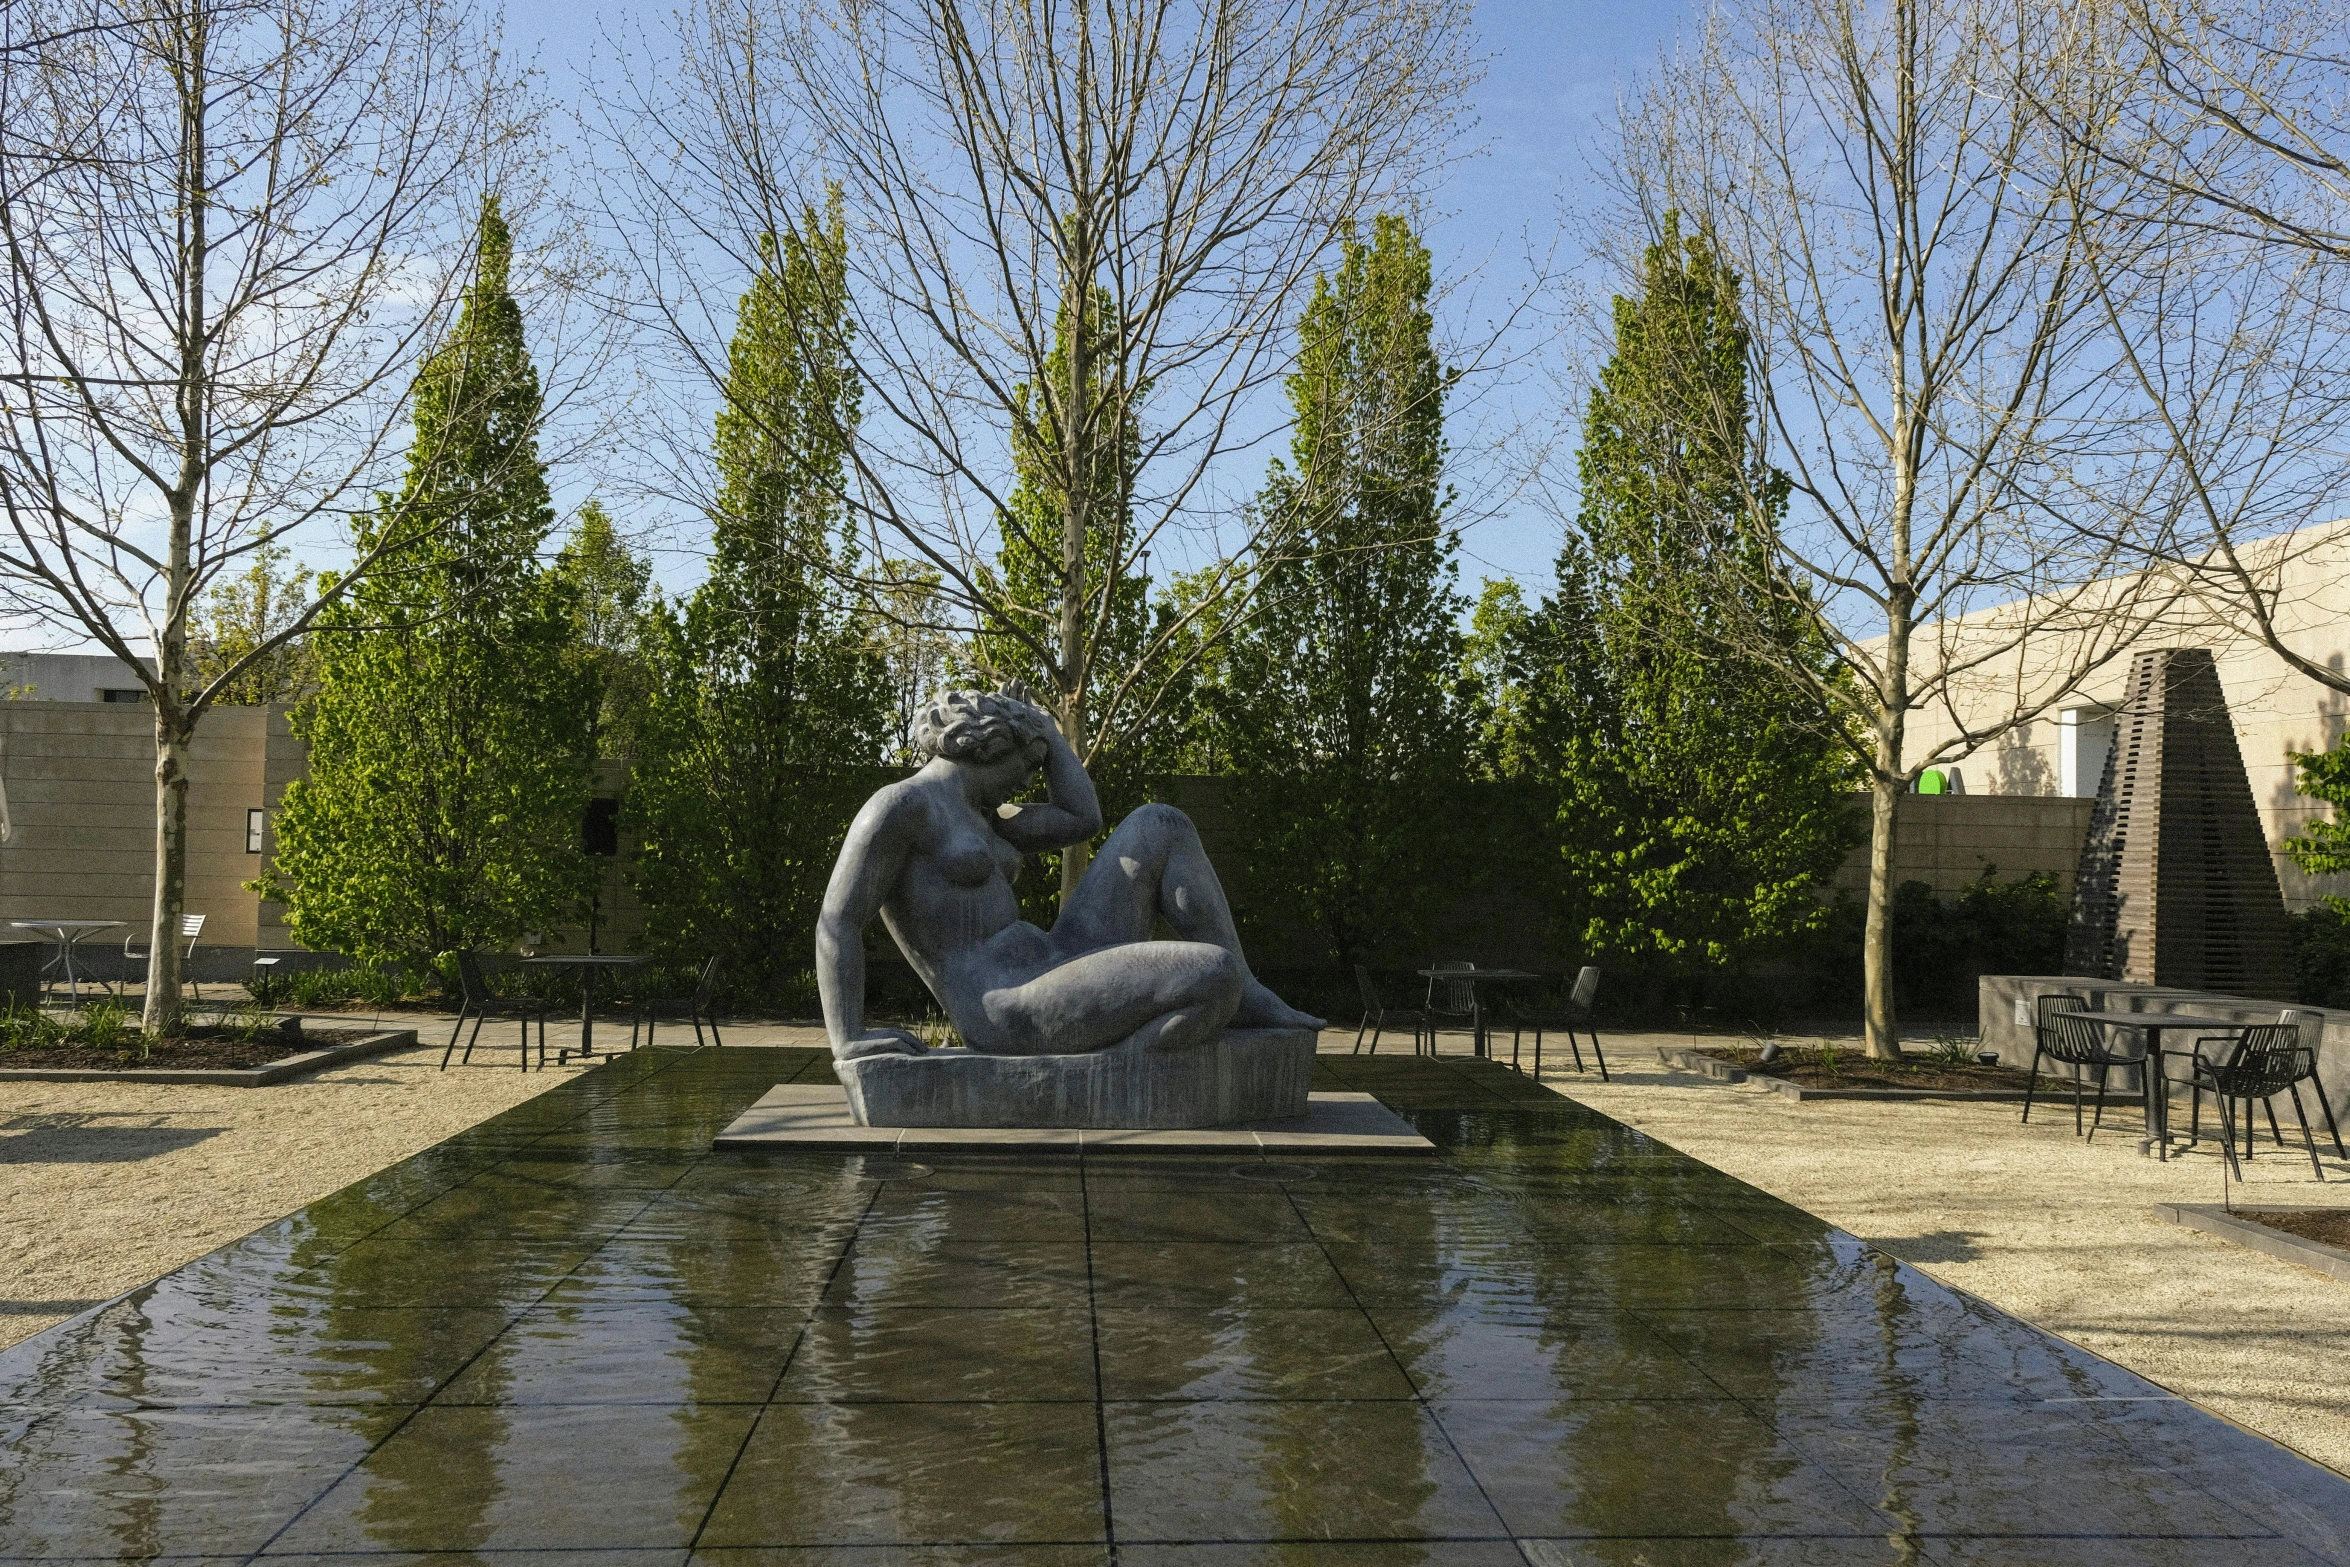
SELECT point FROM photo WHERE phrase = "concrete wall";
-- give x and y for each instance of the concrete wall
(1946, 841)
(2277, 711)
(80, 778)
(2000, 996)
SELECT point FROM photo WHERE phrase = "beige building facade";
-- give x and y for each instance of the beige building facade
(2277, 711)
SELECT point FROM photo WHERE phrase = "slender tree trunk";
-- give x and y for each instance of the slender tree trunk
(1882, 1033)
(171, 870)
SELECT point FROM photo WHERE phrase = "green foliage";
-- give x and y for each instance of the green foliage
(771, 699)
(104, 1025)
(1347, 725)
(449, 735)
(241, 614)
(29, 1028)
(1950, 1049)
(1941, 948)
(1695, 796)
(605, 583)
(2321, 953)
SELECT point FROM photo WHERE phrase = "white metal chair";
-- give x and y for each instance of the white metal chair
(135, 950)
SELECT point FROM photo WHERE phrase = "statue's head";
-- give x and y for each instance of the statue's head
(982, 727)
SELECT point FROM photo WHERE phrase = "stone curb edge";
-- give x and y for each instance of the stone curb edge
(2212, 1219)
(226, 1077)
(1689, 1060)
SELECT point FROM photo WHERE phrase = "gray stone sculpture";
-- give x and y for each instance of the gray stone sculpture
(1092, 1023)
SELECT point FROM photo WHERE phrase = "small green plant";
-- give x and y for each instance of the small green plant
(1954, 1049)
(269, 988)
(249, 1024)
(1828, 1059)
(378, 987)
(29, 1028)
(103, 1025)
(937, 1032)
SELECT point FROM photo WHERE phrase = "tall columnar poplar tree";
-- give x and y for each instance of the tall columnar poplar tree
(772, 694)
(1699, 795)
(1343, 701)
(450, 734)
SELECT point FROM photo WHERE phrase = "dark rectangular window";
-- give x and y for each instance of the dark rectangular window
(256, 820)
(122, 694)
(599, 830)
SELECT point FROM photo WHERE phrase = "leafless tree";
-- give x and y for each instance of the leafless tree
(230, 228)
(2217, 164)
(1078, 227)
(1969, 463)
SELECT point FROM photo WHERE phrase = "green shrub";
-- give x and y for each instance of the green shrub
(2320, 938)
(104, 1025)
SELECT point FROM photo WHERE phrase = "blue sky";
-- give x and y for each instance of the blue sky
(1551, 75)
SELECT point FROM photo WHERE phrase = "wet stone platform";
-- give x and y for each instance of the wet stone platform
(578, 1334)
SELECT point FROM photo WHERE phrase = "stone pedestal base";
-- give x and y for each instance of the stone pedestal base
(1248, 1074)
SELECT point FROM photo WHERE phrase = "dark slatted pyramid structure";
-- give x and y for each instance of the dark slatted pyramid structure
(2176, 884)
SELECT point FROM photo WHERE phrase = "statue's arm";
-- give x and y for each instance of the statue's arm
(870, 859)
(1069, 813)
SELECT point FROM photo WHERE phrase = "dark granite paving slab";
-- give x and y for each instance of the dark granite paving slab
(576, 1334)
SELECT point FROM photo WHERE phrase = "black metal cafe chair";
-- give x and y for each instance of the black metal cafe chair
(2256, 1064)
(479, 1004)
(2058, 1035)
(1451, 1001)
(1378, 1016)
(699, 1008)
(1573, 1018)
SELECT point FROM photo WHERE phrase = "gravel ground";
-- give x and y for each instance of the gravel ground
(2047, 1226)
(104, 1186)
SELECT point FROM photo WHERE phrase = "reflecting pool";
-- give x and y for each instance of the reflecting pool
(574, 1333)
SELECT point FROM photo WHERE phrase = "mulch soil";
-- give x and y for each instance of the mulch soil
(201, 1050)
(2330, 1226)
(1801, 1065)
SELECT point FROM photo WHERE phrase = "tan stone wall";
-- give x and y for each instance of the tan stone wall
(1947, 840)
(2277, 711)
(81, 793)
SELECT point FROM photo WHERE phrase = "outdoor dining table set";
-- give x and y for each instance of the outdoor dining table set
(2236, 1063)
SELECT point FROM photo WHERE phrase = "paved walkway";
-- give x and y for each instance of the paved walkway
(574, 1330)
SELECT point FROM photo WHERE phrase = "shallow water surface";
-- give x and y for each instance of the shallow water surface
(573, 1333)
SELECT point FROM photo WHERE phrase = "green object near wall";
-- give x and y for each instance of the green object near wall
(1931, 781)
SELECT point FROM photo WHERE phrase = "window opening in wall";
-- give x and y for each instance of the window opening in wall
(599, 830)
(256, 821)
(122, 693)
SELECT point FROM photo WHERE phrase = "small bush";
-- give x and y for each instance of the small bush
(105, 1024)
(1953, 1049)
(2320, 938)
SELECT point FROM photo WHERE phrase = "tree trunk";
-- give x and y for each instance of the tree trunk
(1883, 1036)
(1076, 857)
(171, 871)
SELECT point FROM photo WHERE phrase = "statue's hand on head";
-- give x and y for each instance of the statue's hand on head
(881, 1042)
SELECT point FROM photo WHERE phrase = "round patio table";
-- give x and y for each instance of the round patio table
(68, 934)
(2153, 1025)
(1474, 976)
(589, 964)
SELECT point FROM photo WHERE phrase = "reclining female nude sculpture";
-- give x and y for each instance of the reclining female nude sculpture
(1093, 1023)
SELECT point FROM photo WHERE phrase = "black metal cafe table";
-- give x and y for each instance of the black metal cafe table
(590, 965)
(1471, 975)
(2153, 1025)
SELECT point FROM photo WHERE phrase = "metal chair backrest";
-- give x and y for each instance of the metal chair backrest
(2268, 1059)
(1369, 993)
(1460, 995)
(2044, 1012)
(1586, 988)
(470, 979)
(191, 926)
(707, 990)
(2079, 1042)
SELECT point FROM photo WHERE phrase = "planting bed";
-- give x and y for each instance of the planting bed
(204, 1048)
(1805, 1067)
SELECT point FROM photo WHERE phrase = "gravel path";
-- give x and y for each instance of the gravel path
(104, 1186)
(2055, 1229)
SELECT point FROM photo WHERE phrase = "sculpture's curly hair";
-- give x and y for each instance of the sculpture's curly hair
(980, 726)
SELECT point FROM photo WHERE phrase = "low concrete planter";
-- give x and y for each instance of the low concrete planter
(2212, 1219)
(226, 1077)
(1689, 1060)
